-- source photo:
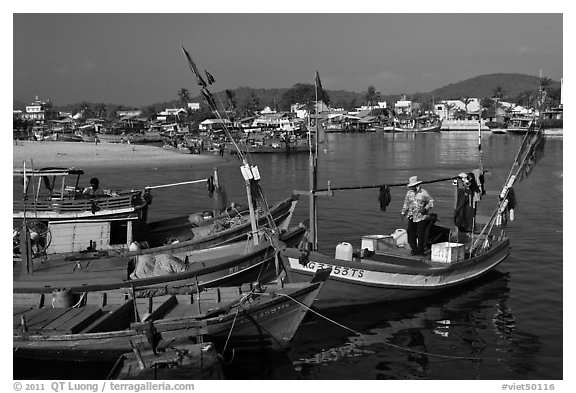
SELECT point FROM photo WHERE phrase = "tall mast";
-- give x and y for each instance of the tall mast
(313, 232)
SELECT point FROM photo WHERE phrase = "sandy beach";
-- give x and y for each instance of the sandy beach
(82, 155)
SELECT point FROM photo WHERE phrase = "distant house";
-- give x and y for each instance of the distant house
(194, 106)
(129, 112)
(405, 106)
(40, 111)
(300, 110)
(446, 109)
(168, 113)
(378, 105)
(267, 110)
(214, 124)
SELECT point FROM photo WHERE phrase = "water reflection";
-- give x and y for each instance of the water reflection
(472, 331)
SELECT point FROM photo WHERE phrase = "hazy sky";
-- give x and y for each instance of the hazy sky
(135, 59)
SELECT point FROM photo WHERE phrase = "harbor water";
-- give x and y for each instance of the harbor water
(508, 325)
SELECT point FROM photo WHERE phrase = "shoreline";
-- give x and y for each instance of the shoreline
(104, 155)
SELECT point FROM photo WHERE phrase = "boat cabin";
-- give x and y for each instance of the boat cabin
(63, 219)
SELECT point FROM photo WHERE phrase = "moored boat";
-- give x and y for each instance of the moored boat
(64, 223)
(520, 125)
(187, 361)
(104, 325)
(177, 269)
(383, 268)
(421, 124)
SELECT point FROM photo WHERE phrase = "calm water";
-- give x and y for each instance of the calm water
(507, 326)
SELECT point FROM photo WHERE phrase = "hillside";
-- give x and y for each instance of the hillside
(484, 86)
(512, 85)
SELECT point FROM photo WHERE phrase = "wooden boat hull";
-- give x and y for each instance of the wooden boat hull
(433, 128)
(207, 234)
(231, 264)
(190, 361)
(517, 130)
(365, 281)
(287, 149)
(269, 320)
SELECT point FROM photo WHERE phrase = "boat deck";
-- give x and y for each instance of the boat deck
(96, 312)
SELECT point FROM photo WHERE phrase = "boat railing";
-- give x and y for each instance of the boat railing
(124, 201)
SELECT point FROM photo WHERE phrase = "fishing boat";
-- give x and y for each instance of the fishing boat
(174, 269)
(520, 125)
(384, 269)
(420, 124)
(264, 145)
(188, 361)
(88, 326)
(63, 222)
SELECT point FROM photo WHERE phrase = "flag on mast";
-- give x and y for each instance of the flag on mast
(530, 153)
(194, 69)
(320, 96)
(319, 90)
(209, 77)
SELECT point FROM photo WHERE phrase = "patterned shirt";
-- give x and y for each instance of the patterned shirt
(417, 204)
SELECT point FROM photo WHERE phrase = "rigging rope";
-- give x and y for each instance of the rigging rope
(385, 343)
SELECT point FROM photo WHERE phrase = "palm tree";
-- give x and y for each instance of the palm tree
(545, 83)
(498, 93)
(449, 106)
(183, 99)
(466, 101)
(371, 97)
(100, 109)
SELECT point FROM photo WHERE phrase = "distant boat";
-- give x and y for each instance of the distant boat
(272, 142)
(498, 130)
(520, 125)
(422, 124)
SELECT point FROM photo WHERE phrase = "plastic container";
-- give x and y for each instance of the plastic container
(344, 251)
(400, 237)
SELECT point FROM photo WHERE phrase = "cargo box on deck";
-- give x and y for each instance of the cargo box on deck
(447, 252)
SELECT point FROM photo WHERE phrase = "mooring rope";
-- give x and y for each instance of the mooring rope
(385, 343)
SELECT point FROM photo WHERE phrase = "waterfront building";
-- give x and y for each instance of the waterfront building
(40, 111)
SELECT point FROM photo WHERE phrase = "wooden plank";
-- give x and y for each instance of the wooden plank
(35, 321)
(106, 298)
(228, 294)
(96, 298)
(28, 299)
(211, 295)
(160, 309)
(189, 327)
(18, 311)
(74, 322)
(117, 319)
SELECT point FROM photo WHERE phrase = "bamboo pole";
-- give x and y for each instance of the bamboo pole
(176, 184)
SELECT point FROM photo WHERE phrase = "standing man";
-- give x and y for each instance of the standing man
(417, 205)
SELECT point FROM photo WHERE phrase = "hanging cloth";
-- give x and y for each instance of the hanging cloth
(384, 197)
(464, 212)
(211, 186)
